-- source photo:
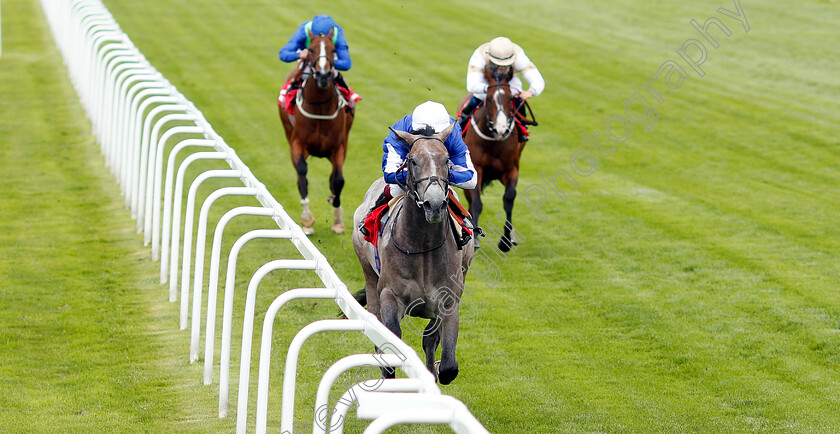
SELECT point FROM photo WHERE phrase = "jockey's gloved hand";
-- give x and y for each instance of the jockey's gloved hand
(401, 176)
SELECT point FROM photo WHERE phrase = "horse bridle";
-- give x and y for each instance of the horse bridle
(409, 164)
(410, 187)
(301, 98)
(489, 121)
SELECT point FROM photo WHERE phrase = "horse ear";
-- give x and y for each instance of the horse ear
(447, 131)
(311, 35)
(402, 135)
(331, 33)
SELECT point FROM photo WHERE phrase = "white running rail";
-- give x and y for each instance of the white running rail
(134, 113)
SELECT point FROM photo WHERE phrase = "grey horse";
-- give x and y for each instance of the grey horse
(422, 268)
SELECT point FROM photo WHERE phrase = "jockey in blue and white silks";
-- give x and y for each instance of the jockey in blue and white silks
(429, 114)
(427, 118)
(296, 48)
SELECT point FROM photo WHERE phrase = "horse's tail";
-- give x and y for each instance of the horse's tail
(361, 297)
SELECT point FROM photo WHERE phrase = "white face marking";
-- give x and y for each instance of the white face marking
(322, 59)
(501, 122)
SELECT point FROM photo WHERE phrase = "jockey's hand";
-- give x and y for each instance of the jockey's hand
(527, 94)
(304, 53)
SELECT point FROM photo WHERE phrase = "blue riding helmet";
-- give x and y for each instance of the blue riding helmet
(322, 24)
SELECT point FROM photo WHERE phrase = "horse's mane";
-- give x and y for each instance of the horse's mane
(426, 131)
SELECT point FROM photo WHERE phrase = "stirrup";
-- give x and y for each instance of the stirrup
(463, 241)
(363, 230)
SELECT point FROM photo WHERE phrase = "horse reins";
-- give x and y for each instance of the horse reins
(436, 180)
(408, 252)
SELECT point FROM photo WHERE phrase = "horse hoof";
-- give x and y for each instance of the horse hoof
(308, 230)
(338, 223)
(505, 243)
(445, 377)
(503, 246)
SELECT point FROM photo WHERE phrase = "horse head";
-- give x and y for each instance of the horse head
(499, 111)
(498, 73)
(427, 176)
(321, 58)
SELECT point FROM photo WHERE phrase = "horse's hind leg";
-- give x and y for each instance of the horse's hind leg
(431, 339)
(508, 241)
(448, 369)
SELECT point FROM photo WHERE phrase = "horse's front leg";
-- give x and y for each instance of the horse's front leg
(299, 161)
(336, 185)
(448, 369)
(431, 339)
(474, 199)
(390, 315)
(508, 241)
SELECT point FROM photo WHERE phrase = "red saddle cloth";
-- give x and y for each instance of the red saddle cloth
(289, 91)
(373, 224)
(373, 221)
(286, 99)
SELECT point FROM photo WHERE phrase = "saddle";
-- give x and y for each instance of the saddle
(374, 223)
(289, 91)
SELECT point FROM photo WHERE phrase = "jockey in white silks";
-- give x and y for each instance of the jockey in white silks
(498, 55)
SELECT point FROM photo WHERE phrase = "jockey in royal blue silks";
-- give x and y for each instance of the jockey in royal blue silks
(429, 114)
(427, 117)
(298, 48)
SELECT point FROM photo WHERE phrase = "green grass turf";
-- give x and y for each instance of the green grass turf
(688, 284)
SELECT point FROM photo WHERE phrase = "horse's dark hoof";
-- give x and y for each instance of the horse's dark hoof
(446, 376)
(389, 373)
(505, 244)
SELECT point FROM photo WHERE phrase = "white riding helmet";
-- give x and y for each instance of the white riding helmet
(501, 51)
(430, 113)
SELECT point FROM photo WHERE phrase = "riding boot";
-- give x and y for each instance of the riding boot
(467, 111)
(381, 200)
(522, 135)
(520, 104)
(522, 121)
(354, 97)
